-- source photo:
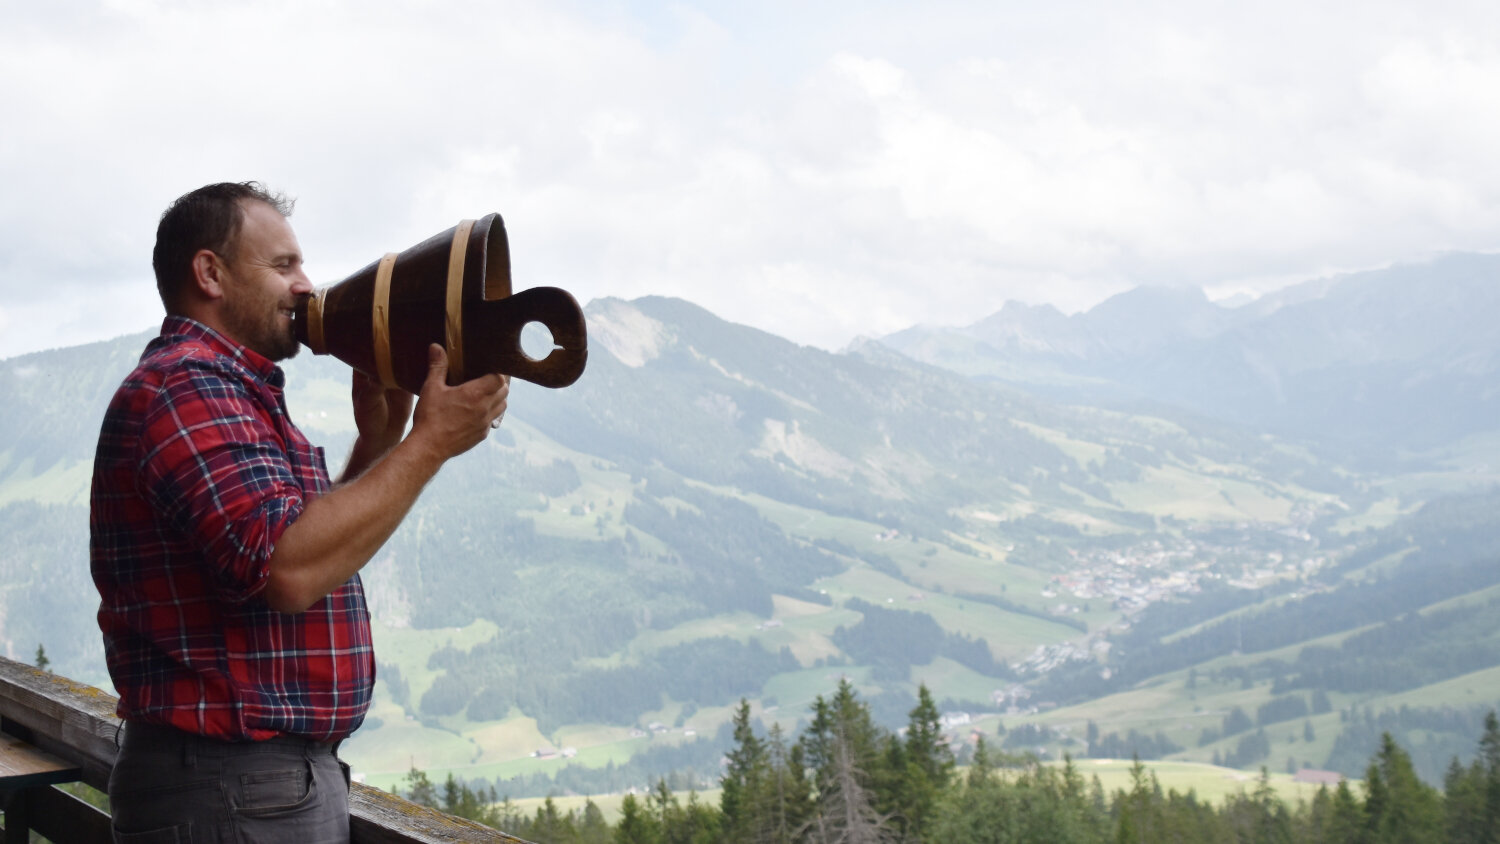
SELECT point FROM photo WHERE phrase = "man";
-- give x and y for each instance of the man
(234, 622)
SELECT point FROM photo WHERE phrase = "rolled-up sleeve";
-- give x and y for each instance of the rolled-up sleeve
(214, 465)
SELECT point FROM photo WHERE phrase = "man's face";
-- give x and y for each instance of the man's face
(264, 282)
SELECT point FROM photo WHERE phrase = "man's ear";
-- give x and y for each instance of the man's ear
(208, 274)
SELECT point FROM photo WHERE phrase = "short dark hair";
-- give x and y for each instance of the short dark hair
(207, 218)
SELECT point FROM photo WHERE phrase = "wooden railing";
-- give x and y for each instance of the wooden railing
(77, 724)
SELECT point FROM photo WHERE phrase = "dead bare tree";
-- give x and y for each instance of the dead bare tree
(846, 812)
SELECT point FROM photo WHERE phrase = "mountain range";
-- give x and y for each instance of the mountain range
(1115, 517)
(1401, 358)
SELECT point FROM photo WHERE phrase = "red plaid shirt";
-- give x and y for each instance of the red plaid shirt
(199, 470)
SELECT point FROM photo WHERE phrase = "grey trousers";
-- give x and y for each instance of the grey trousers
(171, 787)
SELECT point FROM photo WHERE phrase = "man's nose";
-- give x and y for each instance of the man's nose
(301, 284)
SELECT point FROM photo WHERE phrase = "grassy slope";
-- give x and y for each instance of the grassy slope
(930, 573)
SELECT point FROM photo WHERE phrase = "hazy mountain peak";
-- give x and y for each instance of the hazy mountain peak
(1154, 298)
(625, 331)
(1037, 329)
(1237, 300)
(1015, 312)
(1295, 294)
(1017, 309)
(1149, 317)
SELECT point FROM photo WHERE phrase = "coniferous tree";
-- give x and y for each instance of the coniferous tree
(694, 823)
(842, 746)
(1077, 818)
(551, 825)
(1347, 820)
(893, 785)
(981, 810)
(659, 803)
(593, 828)
(846, 812)
(1236, 722)
(1139, 811)
(1463, 803)
(928, 764)
(772, 783)
(1259, 816)
(791, 794)
(636, 825)
(1038, 805)
(1377, 804)
(844, 720)
(766, 795)
(1400, 808)
(1319, 811)
(507, 816)
(1489, 762)
(420, 789)
(980, 767)
(451, 798)
(743, 799)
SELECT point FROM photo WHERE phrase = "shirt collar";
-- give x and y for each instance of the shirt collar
(263, 368)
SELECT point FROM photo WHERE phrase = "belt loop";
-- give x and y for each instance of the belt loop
(189, 752)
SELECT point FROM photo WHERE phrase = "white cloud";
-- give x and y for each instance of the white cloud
(820, 171)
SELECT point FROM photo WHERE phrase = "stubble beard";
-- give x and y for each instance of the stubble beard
(262, 328)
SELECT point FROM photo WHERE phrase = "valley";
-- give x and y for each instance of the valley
(713, 513)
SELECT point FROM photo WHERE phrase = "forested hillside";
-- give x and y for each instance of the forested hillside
(714, 514)
(845, 778)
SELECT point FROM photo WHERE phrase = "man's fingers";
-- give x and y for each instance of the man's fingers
(488, 384)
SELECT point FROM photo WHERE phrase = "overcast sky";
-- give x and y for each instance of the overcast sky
(821, 170)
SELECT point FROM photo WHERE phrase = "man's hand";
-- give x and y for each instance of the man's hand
(339, 532)
(452, 420)
(380, 415)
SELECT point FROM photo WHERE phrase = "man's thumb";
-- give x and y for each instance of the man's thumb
(437, 362)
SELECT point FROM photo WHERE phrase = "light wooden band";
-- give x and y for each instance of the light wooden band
(453, 328)
(380, 315)
(315, 339)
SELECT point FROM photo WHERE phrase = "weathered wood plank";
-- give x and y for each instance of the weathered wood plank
(377, 817)
(71, 721)
(23, 765)
(77, 724)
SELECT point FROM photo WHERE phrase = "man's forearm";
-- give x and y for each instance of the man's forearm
(338, 533)
(364, 455)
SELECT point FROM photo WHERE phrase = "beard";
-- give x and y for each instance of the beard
(260, 324)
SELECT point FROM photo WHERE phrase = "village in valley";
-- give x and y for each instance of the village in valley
(1133, 578)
